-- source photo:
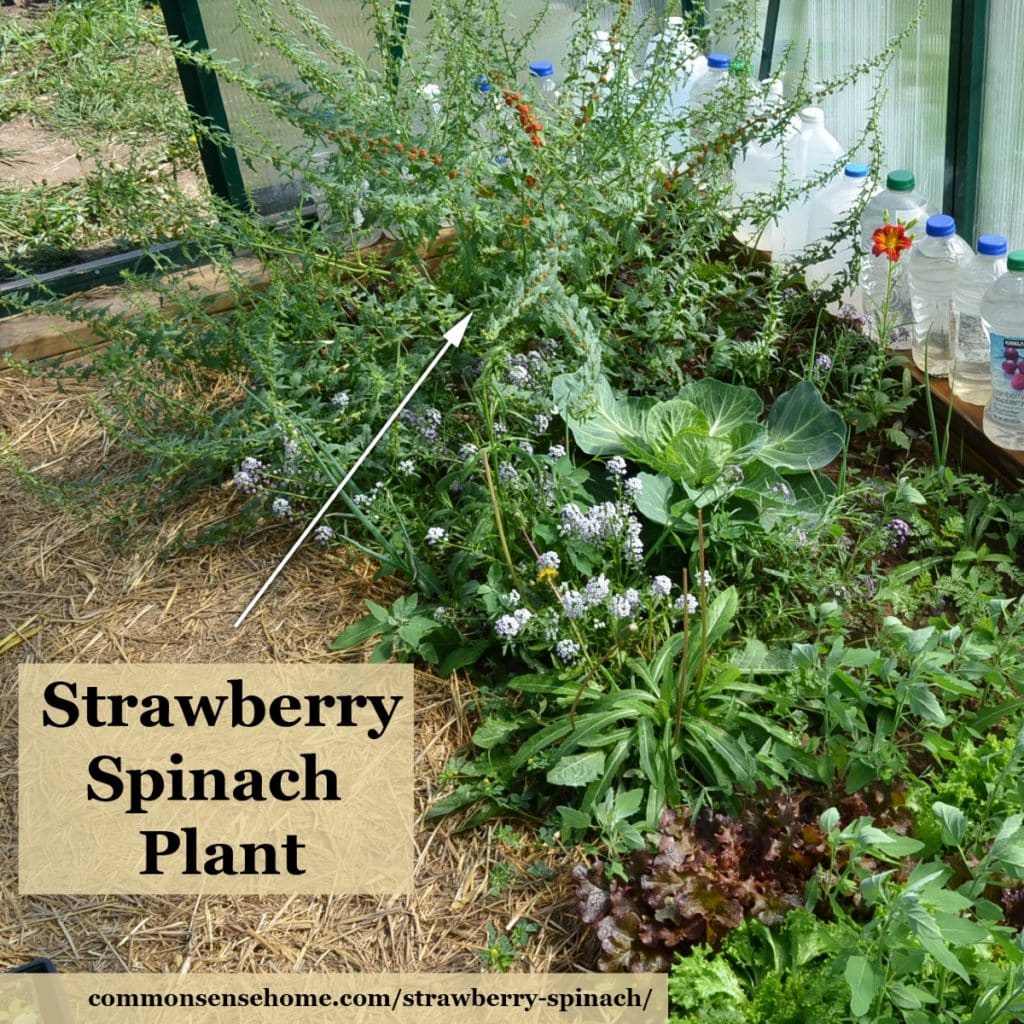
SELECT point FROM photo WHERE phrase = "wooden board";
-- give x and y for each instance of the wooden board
(33, 336)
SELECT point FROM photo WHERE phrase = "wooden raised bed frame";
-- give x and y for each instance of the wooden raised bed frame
(29, 336)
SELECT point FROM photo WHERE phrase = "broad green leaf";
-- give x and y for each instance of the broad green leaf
(909, 997)
(462, 657)
(492, 732)
(358, 631)
(600, 422)
(572, 818)
(462, 797)
(941, 952)
(627, 802)
(829, 818)
(655, 499)
(577, 769)
(757, 659)
(864, 979)
(668, 419)
(873, 887)
(959, 931)
(927, 875)
(720, 614)
(1008, 845)
(925, 704)
(954, 822)
(676, 442)
(726, 406)
(803, 432)
(724, 752)
(415, 630)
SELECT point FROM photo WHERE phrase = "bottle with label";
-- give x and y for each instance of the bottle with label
(827, 208)
(934, 268)
(970, 377)
(1002, 317)
(902, 202)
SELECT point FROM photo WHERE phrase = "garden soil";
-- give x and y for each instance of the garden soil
(74, 588)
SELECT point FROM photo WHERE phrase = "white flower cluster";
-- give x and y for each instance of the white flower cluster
(604, 522)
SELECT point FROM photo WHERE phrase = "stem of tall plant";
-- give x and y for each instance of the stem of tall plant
(498, 522)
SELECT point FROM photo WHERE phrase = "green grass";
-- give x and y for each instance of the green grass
(99, 73)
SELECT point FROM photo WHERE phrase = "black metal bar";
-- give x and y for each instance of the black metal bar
(202, 93)
(771, 25)
(967, 50)
(92, 274)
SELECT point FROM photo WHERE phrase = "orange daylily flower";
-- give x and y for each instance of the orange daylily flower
(890, 239)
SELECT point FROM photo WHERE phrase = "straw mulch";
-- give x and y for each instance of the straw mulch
(72, 591)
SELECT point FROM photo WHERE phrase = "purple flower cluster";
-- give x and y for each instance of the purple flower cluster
(548, 560)
(862, 322)
(427, 423)
(899, 533)
(522, 370)
(567, 650)
(251, 476)
(616, 467)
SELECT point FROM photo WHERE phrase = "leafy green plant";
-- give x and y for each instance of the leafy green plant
(707, 443)
(504, 948)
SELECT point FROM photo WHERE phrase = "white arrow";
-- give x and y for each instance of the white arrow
(452, 337)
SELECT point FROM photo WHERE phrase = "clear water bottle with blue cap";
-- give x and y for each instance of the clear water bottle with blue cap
(827, 208)
(542, 77)
(934, 268)
(714, 78)
(970, 376)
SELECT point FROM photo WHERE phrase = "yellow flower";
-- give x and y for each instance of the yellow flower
(546, 575)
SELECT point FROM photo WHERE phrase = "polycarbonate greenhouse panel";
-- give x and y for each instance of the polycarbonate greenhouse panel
(835, 35)
(1001, 184)
(349, 23)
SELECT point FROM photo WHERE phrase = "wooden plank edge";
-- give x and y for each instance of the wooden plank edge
(32, 336)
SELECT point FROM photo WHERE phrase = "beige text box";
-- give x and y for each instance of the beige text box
(315, 798)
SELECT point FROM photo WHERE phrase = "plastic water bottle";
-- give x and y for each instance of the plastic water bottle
(602, 60)
(714, 78)
(901, 200)
(758, 168)
(810, 151)
(673, 46)
(934, 268)
(1002, 316)
(826, 209)
(970, 376)
(542, 77)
